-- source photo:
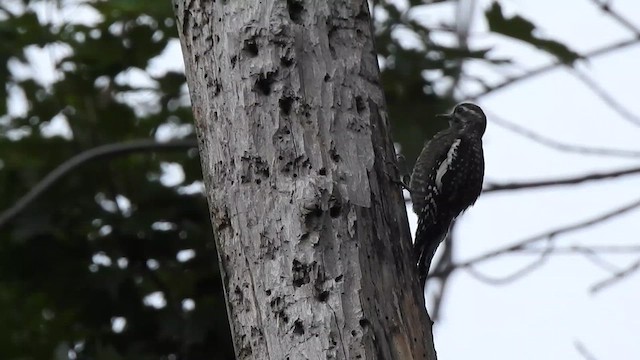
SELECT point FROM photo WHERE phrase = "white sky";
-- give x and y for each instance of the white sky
(543, 315)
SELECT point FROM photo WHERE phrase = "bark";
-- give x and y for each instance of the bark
(297, 162)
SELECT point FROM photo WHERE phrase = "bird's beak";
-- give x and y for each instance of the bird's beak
(447, 117)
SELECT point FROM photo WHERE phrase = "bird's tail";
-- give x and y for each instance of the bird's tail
(425, 245)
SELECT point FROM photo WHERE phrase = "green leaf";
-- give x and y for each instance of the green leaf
(522, 29)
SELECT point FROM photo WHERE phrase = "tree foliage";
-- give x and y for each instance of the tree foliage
(117, 260)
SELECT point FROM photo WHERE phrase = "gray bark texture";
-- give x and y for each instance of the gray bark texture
(298, 162)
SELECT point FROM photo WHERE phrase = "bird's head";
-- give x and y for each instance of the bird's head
(468, 118)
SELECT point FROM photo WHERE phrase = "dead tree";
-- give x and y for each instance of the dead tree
(298, 165)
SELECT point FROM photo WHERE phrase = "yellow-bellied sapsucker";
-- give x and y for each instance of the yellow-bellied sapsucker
(446, 180)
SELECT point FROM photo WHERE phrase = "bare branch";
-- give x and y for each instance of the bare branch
(550, 234)
(104, 151)
(541, 260)
(439, 296)
(579, 249)
(591, 253)
(442, 275)
(606, 97)
(556, 182)
(545, 68)
(604, 6)
(616, 277)
(586, 354)
(543, 140)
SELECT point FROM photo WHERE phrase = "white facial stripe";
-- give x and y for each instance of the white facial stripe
(444, 166)
(470, 110)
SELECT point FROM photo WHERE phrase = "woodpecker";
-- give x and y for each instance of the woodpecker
(446, 180)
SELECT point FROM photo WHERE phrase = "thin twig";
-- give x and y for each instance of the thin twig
(541, 260)
(604, 6)
(543, 140)
(109, 150)
(591, 253)
(615, 278)
(586, 354)
(545, 68)
(596, 259)
(579, 249)
(606, 97)
(546, 235)
(443, 276)
(556, 182)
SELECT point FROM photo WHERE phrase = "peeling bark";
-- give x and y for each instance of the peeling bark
(297, 161)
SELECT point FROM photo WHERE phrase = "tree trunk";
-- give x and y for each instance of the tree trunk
(297, 161)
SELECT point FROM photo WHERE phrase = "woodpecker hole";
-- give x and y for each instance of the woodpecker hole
(285, 104)
(323, 296)
(300, 273)
(250, 47)
(298, 328)
(282, 315)
(360, 104)
(331, 29)
(286, 61)
(276, 302)
(233, 61)
(334, 155)
(311, 217)
(262, 169)
(334, 211)
(316, 212)
(264, 82)
(239, 294)
(364, 322)
(322, 172)
(268, 292)
(295, 10)
(327, 77)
